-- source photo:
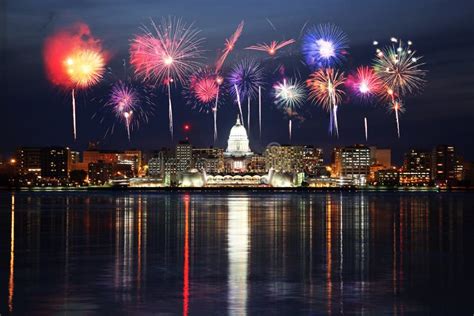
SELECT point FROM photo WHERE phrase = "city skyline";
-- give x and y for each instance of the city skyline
(44, 106)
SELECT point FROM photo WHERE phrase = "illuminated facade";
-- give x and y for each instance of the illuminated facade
(237, 154)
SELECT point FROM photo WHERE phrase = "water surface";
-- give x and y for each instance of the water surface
(236, 253)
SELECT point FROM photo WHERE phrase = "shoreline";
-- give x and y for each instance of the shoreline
(240, 189)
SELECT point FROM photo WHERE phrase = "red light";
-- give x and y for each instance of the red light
(187, 127)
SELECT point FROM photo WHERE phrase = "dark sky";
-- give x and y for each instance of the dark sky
(35, 113)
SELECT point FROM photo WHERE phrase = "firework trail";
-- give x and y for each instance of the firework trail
(325, 88)
(271, 48)
(324, 46)
(400, 71)
(366, 128)
(202, 93)
(289, 96)
(74, 60)
(271, 24)
(246, 77)
(166, 54)
(229, 46)
(260, 111)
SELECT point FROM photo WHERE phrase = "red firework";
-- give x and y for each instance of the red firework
(365, 83)
(229, 46)
(271, 48)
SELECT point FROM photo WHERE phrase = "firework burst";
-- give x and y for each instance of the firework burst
(324, 45)
(289, 96)
(246, 77)
(74, 60)
(400, 71)
(365, 83)
(325, 88)
(129, 104)
(271, 48)
(166, 54)
(202, 93)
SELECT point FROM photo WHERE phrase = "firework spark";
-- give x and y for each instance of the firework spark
(271, 48)
(400, 71)
(166, 54)
(289, 96)
(74, 60)
(324, 45)
(229, 46)
(325, 88)
(246, 77)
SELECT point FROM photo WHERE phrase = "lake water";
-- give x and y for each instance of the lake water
(236, 253)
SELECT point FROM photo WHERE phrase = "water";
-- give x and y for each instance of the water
(236, 253)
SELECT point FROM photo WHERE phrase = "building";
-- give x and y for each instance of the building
(312, 160)
(184, 156)
(237, 155)
(415, 178)
(443, 164)
(28, 160)
(210, 160)
(130, 157)
(284, 158)
(100, 172)
(417, 160)
(381, 156)
(352, 162)
(257, 164)
(55, 163)
(387, 177)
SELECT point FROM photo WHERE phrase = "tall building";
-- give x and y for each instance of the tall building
(55, 162)
(184, 156)
(443, 164)
(352, 162)
(284, 158)
(209, 159)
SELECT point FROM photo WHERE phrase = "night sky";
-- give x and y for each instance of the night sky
(35, 113)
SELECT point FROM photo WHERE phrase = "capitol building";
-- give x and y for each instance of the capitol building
(237, 154)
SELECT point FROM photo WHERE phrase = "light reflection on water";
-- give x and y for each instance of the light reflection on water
(236, 253)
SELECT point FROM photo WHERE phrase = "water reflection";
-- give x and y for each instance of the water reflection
(235, 253)
(238, 239)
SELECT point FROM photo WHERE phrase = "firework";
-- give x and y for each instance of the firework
(365, 83)
(124, 102)
(246, 77)
(74, 60)
(271, 48)
(289, 96)
(202, 93)
(229, 46)
(400, 71)
(325, 88)
(166, 54)
(324, 45)
(366, 128)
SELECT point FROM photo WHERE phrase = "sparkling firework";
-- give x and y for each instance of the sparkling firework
(365, 83)
(289, 96)
(325, 88)
(246, 77)
(129, 104)
(271, 48)
(229, 46)
(166, 54)
(324, 45)
(202, 93)
(74, 60)
(401, 72)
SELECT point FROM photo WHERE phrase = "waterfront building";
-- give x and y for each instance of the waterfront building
(381, 156)
(313, 160)
(284, 158)
(417, 160)
(100, 172)
(55, 163)
(387, 177)
(352, 162)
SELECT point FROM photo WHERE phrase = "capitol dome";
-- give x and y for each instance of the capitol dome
(238, 143)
